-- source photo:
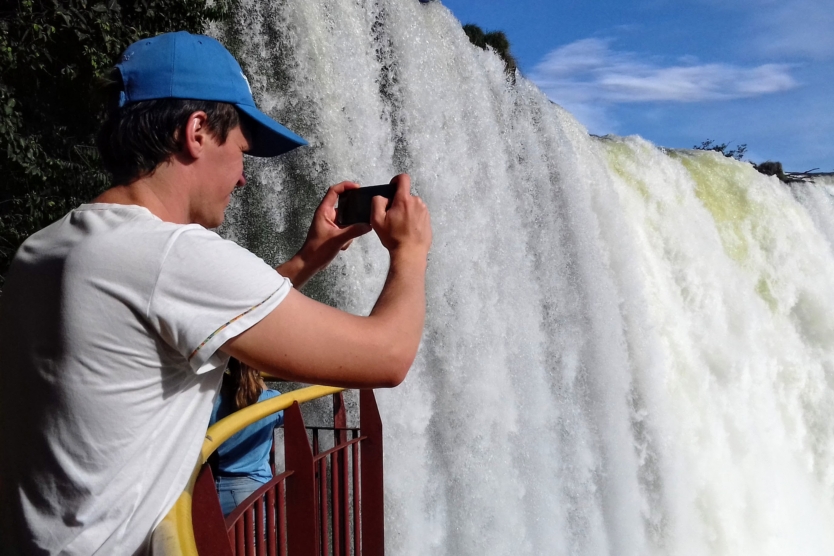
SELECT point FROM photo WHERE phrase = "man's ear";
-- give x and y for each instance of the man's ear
(196, 134)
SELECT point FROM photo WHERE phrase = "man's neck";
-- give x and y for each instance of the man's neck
(163, 192)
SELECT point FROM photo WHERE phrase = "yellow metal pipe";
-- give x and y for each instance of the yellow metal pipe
(222, 430)
(175, 534)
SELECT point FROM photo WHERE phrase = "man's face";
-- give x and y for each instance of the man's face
(222, 171)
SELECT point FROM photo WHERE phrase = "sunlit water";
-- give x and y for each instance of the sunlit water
(628, 350)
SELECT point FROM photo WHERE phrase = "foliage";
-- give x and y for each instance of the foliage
(723, 148)
(51, 54)
(497, 40)
(768, 168)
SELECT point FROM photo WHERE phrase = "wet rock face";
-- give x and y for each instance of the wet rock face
(770, 168)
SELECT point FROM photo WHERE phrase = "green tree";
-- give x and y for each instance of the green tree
(51, 54)
(497, 40)
(723, 148)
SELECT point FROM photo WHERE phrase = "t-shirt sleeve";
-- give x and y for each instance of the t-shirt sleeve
(208, 291)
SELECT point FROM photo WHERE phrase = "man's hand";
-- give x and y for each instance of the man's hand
(324, 239)
(306, 341)
(406, 225)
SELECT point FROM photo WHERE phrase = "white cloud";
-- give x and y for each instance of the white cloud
(589, 71)
(794, 28)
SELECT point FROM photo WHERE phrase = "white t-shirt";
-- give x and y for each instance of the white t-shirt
(110, 322)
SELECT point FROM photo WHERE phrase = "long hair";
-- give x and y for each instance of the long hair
(242, 383)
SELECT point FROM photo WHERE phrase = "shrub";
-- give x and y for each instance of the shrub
(723, 148)
(497, 40)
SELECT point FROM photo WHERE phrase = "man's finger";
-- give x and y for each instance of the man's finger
(335, 190)
(344, 186)
(355, 230)
(346, 245)
(403, 182)
(378, 204)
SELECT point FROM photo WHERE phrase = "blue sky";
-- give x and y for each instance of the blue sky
(679, 72)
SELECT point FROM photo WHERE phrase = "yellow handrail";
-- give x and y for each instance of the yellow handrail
(175, 534)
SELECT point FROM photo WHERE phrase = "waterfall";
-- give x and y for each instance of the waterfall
(629, 350)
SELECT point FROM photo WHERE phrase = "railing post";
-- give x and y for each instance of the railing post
(373, 504)
(339, 478)
(207, 517)
(302, 530)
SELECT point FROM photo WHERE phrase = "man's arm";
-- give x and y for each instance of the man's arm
(307, 341)
(324, 239)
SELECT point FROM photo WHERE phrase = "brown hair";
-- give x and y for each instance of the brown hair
(243, 383)
(136, 138)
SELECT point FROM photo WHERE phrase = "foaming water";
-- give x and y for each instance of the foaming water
(628, 350)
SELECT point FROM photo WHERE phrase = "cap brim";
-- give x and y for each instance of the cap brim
(269, 138)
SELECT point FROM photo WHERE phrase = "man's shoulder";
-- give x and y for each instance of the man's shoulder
(133, 231)
(100, 223)
(111, 241)
(124, 237)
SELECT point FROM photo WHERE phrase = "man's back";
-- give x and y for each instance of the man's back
(106, 394)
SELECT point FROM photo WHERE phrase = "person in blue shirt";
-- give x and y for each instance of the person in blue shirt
(242, 463)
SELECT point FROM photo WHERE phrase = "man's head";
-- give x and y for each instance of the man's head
(138, 137)
(157, 87)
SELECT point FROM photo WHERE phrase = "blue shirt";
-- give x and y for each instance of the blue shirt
(246, 453)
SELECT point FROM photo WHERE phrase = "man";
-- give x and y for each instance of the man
(117, 321)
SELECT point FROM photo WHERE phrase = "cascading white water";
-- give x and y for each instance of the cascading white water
(628, 350)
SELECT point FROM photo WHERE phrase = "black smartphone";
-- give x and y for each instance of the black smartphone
(355, 204)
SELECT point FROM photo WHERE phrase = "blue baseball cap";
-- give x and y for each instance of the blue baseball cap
(182, 65)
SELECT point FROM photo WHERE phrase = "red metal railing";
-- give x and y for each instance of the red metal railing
(263, 516)
(326, 503)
